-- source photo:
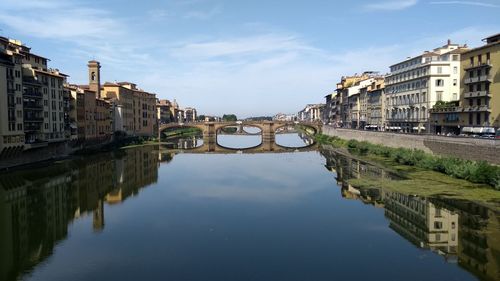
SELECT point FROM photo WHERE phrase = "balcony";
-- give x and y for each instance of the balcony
(32, 94)
(477, 108)
(485, 78)
(32, 107)
(33, 119)
(479, 65)
(450, 109)
(471, 80)
(476, 94)
(32, 127)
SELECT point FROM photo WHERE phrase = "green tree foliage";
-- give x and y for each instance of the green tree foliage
(229, 117)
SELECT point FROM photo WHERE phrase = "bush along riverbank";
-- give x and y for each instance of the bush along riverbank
(182, 132)
(479, 172)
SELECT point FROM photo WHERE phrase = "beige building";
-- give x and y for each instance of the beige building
(34, 113)
(164, 113)
(190, 114)
(11, 100)
(478, 110)
(376, 106)
(134, 110)
(480, 83)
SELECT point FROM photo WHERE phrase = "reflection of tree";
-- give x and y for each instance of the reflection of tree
(455, 229)
(37, 206)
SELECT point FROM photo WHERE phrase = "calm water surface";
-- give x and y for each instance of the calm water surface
(141, 214)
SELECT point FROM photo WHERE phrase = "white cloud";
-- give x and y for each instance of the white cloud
(391, 5)
(242, 46)
(203, 15)
(468, 3)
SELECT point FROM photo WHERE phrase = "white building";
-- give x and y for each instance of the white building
(311, 113)
(416, 84)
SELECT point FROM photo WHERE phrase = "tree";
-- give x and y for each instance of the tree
(229, 117)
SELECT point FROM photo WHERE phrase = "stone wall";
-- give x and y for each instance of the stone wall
(462, 147)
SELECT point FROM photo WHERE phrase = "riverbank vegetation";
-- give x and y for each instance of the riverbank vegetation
(479, 172)
(181, 132)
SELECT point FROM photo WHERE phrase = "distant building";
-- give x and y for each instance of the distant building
(164, 114)
(311, 113)
(190, 114)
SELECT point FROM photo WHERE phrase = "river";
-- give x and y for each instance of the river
(149, 213)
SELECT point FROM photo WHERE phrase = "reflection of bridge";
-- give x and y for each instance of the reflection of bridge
(264, 147)
(267, 128)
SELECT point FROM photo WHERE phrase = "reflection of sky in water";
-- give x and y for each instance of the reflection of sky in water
(251, 130)
(289, 140)
(249, 177)
(242, 217)
(238, 141)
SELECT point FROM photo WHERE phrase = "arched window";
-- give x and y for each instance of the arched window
(92, 76)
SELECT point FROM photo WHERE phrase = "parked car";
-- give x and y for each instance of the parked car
(488, 136)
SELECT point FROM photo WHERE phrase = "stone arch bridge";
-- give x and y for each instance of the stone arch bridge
(268, 130)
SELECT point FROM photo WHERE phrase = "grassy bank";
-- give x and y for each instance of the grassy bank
(182, 132)
(477, 172)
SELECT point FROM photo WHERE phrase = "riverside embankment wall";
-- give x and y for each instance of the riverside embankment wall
(466, 148)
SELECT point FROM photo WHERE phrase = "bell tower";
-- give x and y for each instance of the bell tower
(95, 77)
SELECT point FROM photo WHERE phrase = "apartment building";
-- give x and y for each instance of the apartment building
(11, 100)
(416, 84)
(311, 113)
(375, 106)
(134, 110)
(477, 112)
(357, 98)
(190, 114)
(163, 109)
(34, 99)
(480, 83)
(70, 113)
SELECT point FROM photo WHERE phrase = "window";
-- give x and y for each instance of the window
(478, 118)
(19, 127)
(472, 61)
(455, 70)
(470, 117)
(439, 82)
(439, 96)
(455, 96)
(438, 225)
(455, 57)
(455, 82)
(440, 69)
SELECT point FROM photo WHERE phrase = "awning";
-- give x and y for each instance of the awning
(488, 130)
(477, 130)
(467, 130)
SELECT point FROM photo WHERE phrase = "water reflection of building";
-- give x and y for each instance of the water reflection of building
(36, 207)
(423, 223)
(459, 230)
(478, 238)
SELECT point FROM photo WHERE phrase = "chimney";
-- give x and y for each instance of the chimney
(449, 42)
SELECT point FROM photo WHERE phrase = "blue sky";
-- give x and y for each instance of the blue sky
(244, 57)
